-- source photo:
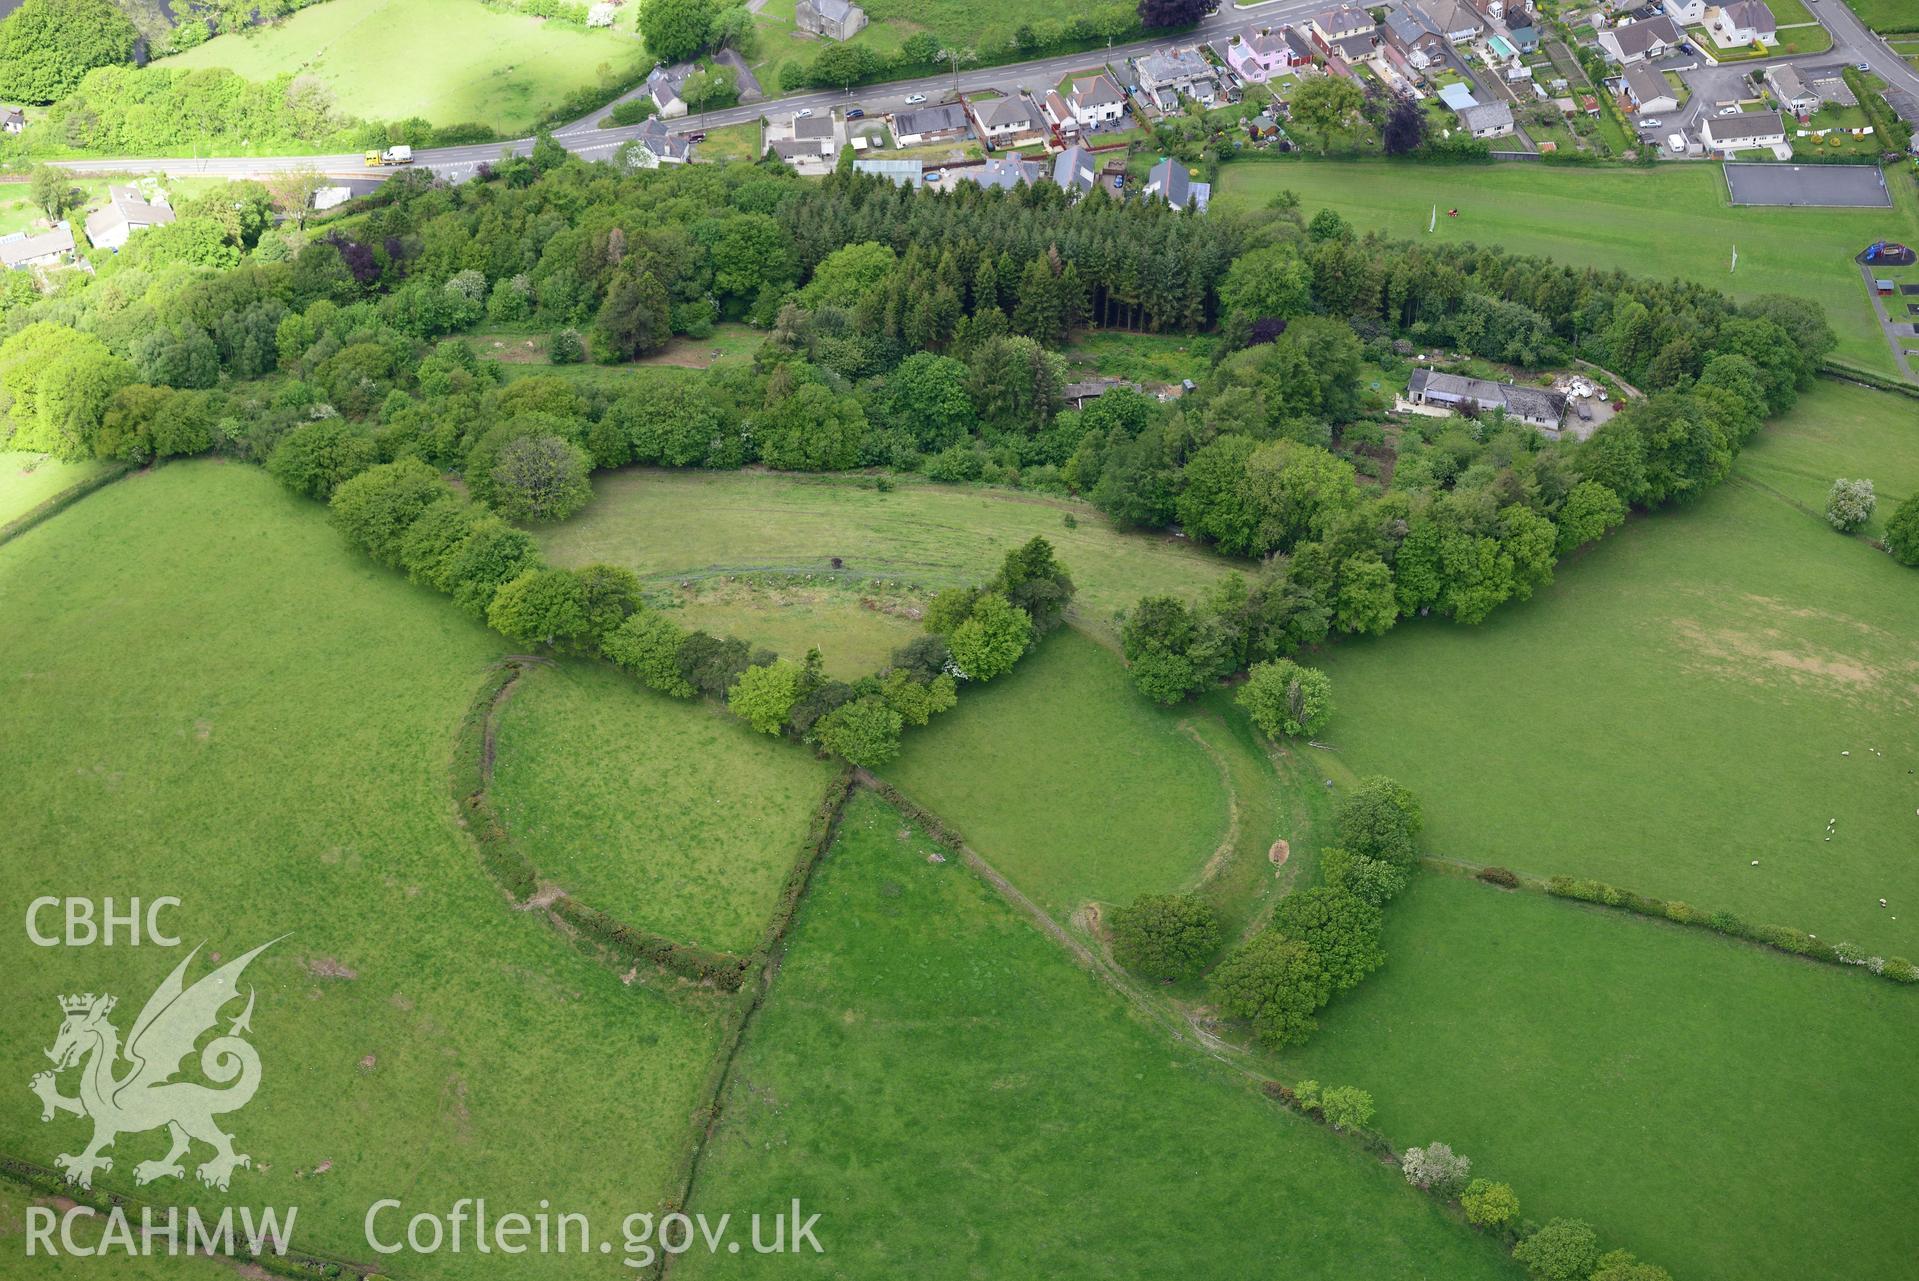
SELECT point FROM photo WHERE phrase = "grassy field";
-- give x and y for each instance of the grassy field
(1669, 221)
(1840, 430)
(14, 1201)
(615, 793)
(1144, 358)
(446, 61)
(670, 526)
(209, 696)
(956, 1100)
(859, 631)
(1076, 787)
(1678, 704)
(1662, 1083)
(781, 41)
(27, 480)
(1887, 15)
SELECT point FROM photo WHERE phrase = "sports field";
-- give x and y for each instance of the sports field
(446, 61)
(1672, 220)
(1720, 1109)
(1072, 784)
(27, 480)
(209, 696)
(1704, 689)
(937, 1080)
(665, 814)
(670, 526)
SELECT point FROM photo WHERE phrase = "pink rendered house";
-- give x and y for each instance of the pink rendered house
(1257, 54)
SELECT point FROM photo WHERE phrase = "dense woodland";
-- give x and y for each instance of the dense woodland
(918, 331)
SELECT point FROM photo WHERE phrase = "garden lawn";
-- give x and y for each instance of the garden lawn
(27, 480)
(1840, 429)
(1887, 15)
(669, 526)
(955, 1099)
(665, 814)
(1672, 220)
(1717, 1108)
(1678, 704)
(446, 61)
(207, 695)
(1069, 782)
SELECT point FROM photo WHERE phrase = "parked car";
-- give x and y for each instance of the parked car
(915, 99)
(1650, 124)
(1677, 142)
(1729, 111)
(696, 137)
(802, 113)
(1862, 66)
(855, 113)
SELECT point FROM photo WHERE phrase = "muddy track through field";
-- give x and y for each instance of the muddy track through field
(1230, 841)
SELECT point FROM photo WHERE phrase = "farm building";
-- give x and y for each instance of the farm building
(1529, 405)
(833, 19)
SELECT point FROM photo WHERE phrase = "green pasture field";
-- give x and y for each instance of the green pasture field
(1722, 1110)
(1672, 220)
(862, 629)
(1887, 15)
(676, 525)
(446, 61)
(27, 480)
(1840, 429)
(1077, 788)
(665, 814)
(954, 1098)
(781, 41)
(209, 696)
(1679, 703)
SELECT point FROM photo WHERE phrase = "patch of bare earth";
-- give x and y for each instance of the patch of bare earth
(326, 967)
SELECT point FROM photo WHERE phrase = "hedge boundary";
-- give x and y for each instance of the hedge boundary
(51, 507)
(469, 777)
(1780, 938)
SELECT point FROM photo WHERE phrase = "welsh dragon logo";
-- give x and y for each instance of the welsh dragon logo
(144, 1096)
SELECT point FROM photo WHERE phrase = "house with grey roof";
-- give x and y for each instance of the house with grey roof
(50, 248)
(931, 124)
(1094, 100)
(832, 19)
(1075, 171)
(1533, 406)
(1637, 41)
(1170, 182)
(654, 145)
(1172, 74)
(1749, 130)
(1488, 120)
(12, 119)
(1791, 89)
(1458, 22)
(1008, 120)
(1411, 31)
(1742, 23)
(1004, 173)
(125, 213)
(1648, 90)
(663, 85)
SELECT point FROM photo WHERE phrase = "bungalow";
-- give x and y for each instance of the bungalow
(125, 212)
(655, 145)
(1791, 89)
(1095, 100)
(1525, 37)
(1743, 23)
(1749, 130)
(1262, 126)
(1687, 13)
(1008, 120)
(49, 248)
(1078, 395)
(1411, 31)
(1005, 173)
(1530, 405)
(1647, 89)
(1169, 181)
(834, 19)
(1075, 171)
(809, 143)
(1452, 19)
(1172, 74)
(1488, 120)
(930, 124)
(1637, 41)
(1257, 54)
(12, 119)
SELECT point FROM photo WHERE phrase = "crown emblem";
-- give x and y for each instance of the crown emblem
(82, 1003)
